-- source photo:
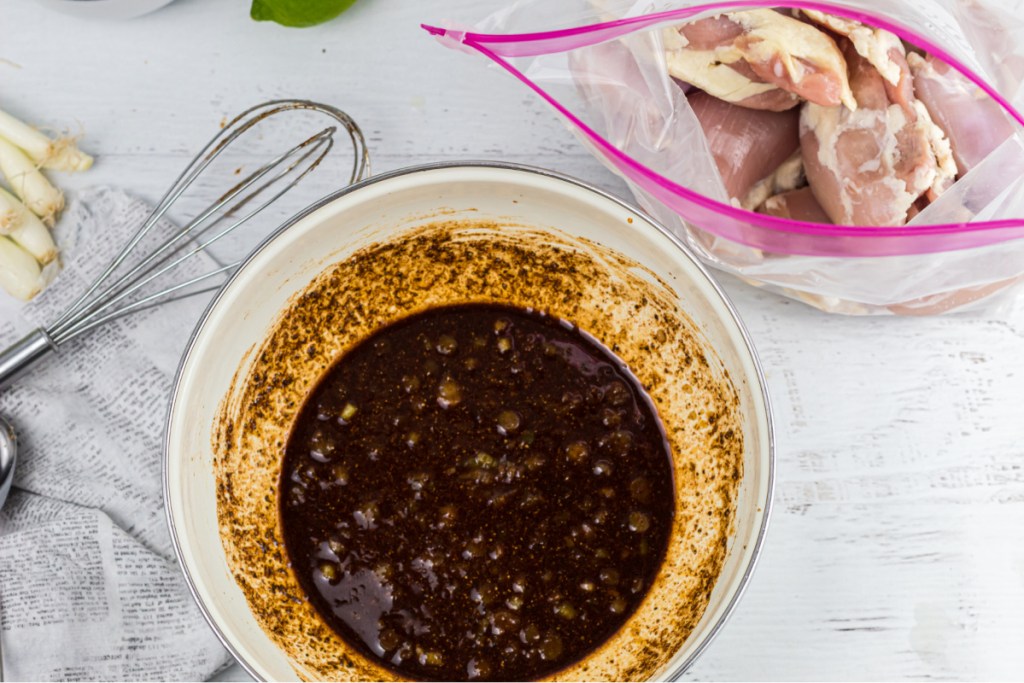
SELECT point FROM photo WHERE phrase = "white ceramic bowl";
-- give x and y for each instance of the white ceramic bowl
(284, 264)
(105, 9)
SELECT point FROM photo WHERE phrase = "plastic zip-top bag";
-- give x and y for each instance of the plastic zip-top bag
(865, 157)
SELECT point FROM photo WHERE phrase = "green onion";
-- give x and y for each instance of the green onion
(25, 228)
(59, 155)
(42, 198)
(20, 275)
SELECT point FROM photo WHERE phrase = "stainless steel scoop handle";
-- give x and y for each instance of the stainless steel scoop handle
(14, 361)
(8, 453)
(21, 355)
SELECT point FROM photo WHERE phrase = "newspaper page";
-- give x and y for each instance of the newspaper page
(90, 588)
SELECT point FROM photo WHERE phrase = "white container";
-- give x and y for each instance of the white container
(283, 265)
(105, 9)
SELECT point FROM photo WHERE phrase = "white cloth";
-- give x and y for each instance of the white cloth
(89, 588)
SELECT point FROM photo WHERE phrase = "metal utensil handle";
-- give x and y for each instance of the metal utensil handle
(8, 456)
(21, 355)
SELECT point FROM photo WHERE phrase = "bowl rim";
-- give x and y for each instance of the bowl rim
(758, 543)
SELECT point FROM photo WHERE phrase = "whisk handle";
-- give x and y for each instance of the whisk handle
(21, 355)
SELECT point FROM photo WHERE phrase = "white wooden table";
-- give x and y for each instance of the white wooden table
(897, 544)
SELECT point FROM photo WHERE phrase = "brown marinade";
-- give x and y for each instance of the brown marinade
(440, 262)
(477, 492)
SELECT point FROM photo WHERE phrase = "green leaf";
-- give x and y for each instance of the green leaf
(298, 13)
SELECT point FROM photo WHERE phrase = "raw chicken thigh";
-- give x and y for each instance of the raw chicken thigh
(880, 133)
(760, 59)
(870, 166)
(796, 205)
(882, 49)
(749, 145)
(973, 121)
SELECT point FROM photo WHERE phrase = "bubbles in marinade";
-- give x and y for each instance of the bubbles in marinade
(477, 492)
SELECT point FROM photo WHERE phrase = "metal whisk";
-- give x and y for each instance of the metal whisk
(126, 285)
(115, 294)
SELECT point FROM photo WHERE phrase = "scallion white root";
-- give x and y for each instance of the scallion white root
(58, 155)
(42, 198)
(10, 217)
(20, 274)
(25, 228)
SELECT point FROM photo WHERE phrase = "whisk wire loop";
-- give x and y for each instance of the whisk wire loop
(156, 263)
(221, 141)
(122, 287)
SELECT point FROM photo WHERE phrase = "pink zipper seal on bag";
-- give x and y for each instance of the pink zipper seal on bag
(769, 233)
